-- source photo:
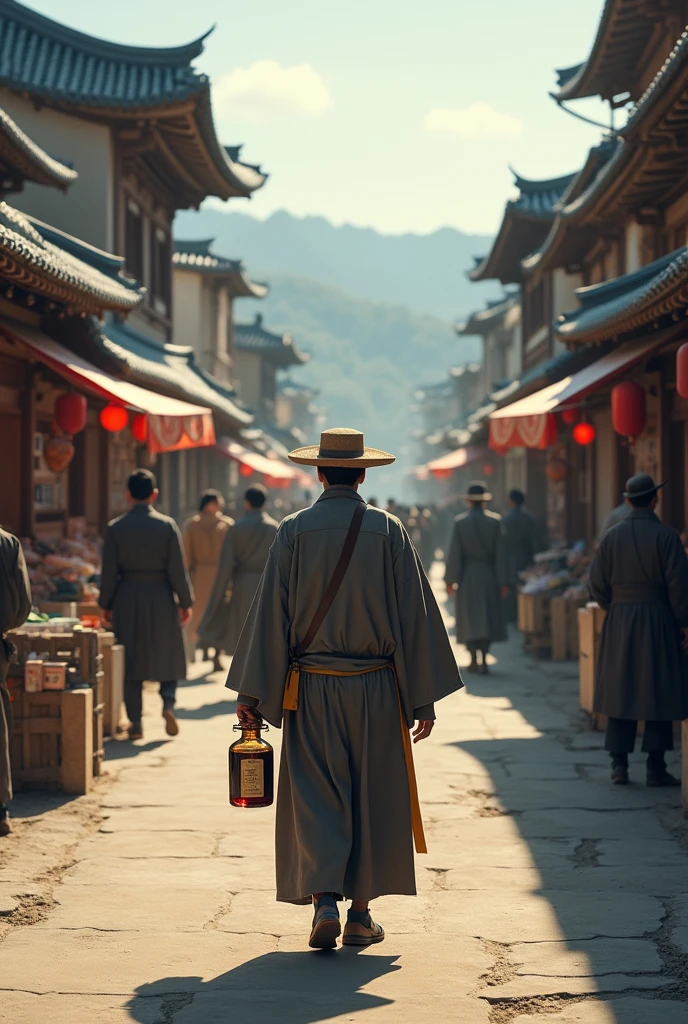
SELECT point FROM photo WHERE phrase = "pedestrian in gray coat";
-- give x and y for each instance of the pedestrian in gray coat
(476, 575)
(520, 544)
(242, 560)
(640, 577)
(15, 605)
(375, 663)
(146, 592)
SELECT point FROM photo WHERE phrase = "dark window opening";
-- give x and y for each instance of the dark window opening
(133, 240)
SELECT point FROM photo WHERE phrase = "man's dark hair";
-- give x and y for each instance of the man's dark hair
(643, 501)
(209, 496)
(141, 484)
(256, 496)
(345, 476)
(518, 497)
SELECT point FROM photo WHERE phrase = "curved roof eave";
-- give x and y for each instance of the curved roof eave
(593, 77)
(29, 159)
(621, 310)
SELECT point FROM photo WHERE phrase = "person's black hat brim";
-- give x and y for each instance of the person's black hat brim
(632, 493)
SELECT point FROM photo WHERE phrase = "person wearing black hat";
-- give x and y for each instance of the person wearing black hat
(476, 575)
(640, 577)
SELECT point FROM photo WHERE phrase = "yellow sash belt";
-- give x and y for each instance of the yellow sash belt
(291, 703)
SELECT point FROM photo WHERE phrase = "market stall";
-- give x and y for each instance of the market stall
(63, 688)
(550, 594)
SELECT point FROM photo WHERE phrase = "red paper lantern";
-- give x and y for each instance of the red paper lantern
(245, 470)
(441, 474)
(70, 412)
(114, 418)
(488, 470)
(584, 433)
(682, 371)
(58, 452)
(570, 416)
(139, 427)
(628, 409)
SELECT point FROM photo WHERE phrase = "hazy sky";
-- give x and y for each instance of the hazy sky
(398, 116)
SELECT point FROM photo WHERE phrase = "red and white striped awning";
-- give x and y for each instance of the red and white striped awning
(172, 424)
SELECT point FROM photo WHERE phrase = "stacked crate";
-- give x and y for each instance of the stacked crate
(44, 722)
(535, 622)
(565, 631)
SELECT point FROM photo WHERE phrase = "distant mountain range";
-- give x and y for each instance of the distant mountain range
(426, 273)
(375, 311)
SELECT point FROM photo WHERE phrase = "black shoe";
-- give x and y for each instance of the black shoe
(662, 778)
(5, 826)
(620, 775)
(326, 924)
(136, 731)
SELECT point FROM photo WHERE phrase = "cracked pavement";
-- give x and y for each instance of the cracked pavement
(547, 895)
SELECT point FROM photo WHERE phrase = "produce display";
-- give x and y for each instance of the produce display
(559, 572)
(67, 569)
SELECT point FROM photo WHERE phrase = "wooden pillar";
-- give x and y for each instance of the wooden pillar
(77, 741)
(28, 429)
(684, 753)
(103, 483)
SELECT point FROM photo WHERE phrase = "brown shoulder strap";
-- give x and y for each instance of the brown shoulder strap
(334, 584)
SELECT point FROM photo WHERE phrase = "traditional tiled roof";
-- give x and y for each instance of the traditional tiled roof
(293, 388)
(22, 160)
(172, 369)
(526, 222)
(197, 256)
(641, 168)
(74, 71)
(31, 260)
(487, 319)
(629, 303)
(278, 348)
(625, 29)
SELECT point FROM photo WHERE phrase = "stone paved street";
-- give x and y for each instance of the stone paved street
(546, 895)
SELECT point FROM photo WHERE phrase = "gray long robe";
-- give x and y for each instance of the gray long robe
(476, 563)
(15, 605)
(520, 541)
(343, 805)
(242, 561)
(640, 576)
(145, 583)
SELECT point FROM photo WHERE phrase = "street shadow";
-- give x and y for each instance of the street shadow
(206, 711)
(296, 988)
(34, 803)
(556, 789)
(120, 750)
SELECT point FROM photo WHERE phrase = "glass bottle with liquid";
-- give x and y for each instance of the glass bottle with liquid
(251, 768)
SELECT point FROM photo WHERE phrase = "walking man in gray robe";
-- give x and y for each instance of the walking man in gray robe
(640, 577)
(242, 560)
(520, 545)
(347, 805)
(146, 593)
(476, 575)
(15, 605)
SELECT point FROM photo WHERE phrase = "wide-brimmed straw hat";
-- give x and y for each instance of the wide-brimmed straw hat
(341, 446)
(641, 485)
(477, 491)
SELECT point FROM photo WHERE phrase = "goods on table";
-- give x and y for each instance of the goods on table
(560, 571)
(67, 569)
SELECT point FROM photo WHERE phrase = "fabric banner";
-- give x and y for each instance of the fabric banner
(175, 433)
(523, 432)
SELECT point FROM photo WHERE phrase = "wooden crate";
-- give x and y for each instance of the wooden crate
(590, 621)
(565, 637)
(52, 740)
(534, 621)
(89, 643)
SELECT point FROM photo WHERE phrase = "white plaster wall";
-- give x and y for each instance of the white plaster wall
(186, 309)
(564, 292)
(248, 377)
(87, 209)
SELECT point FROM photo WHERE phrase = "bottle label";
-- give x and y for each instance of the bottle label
(252, 780)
